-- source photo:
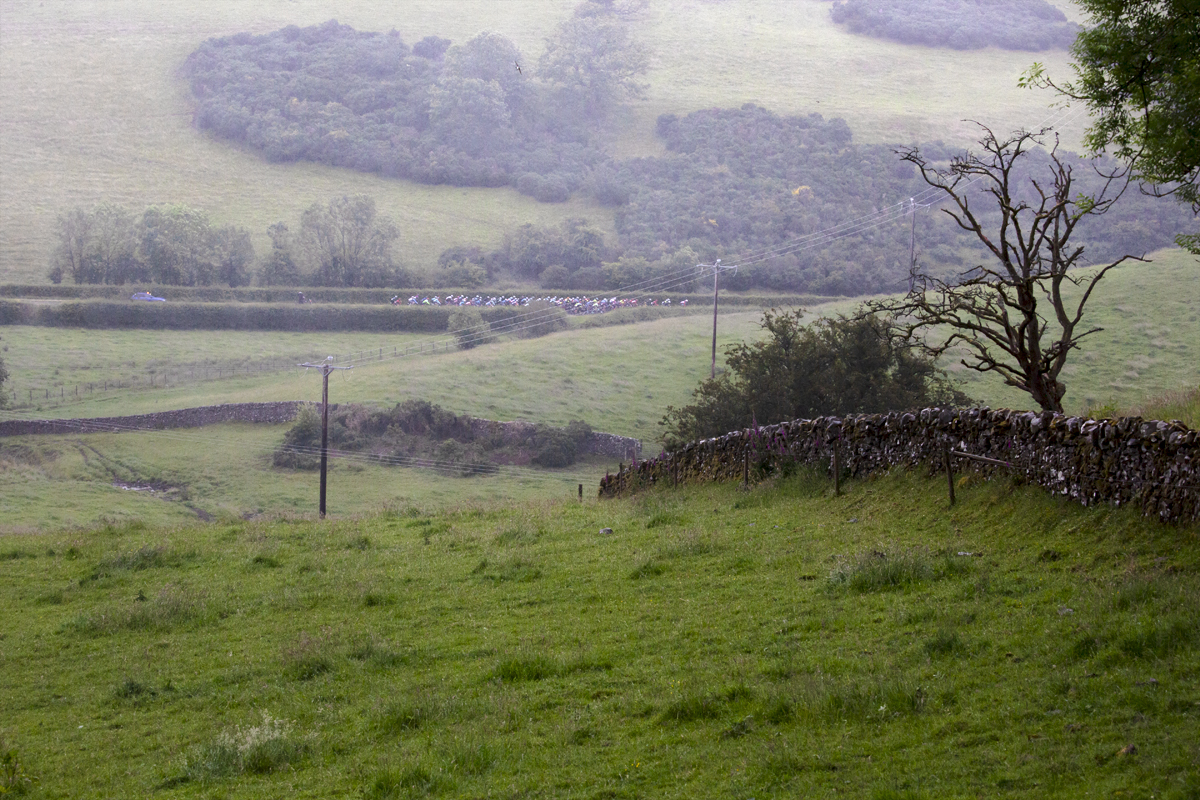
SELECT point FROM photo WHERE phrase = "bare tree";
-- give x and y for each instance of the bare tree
(1021, 315)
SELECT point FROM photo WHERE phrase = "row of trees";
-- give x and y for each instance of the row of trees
(343, 243)
(170, 245)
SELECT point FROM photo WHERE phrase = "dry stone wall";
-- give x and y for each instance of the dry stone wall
(268, 413)
(1153, 464)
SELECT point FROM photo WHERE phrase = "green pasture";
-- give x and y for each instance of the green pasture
(618, 379)
(775, 643)
(224, 472)
(92, 109)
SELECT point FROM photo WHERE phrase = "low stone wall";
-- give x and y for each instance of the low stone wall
(1129, 460)
(268, 413)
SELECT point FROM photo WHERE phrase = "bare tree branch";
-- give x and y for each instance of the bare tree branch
(1012, 315)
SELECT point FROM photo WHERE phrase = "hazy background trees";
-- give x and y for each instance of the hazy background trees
(960, 24)
(347, 243)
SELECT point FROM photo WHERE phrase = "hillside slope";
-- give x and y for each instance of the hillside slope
(91, 107)
(777, 643)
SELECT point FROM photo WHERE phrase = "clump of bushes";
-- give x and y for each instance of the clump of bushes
(417, 433)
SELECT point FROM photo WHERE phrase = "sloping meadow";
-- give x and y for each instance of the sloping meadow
(714, 643)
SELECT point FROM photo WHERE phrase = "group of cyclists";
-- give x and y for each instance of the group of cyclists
(579, 304)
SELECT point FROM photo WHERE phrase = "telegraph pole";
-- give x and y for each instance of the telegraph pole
(716, 268)
(912, 244)
(326, 368)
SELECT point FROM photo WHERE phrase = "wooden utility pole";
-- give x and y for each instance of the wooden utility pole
(325, 368)
(716, 268)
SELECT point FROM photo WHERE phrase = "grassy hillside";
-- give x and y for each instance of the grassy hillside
(780, 643)
(91, 108)
(618, 379)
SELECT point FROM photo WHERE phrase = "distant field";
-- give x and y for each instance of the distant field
(91, 109)
(618, 379)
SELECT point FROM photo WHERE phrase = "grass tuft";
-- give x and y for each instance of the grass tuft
(308, 657)
(533, 668)
(876, 570)
(403, 716)
(693, 708)
(410, 781)
(251, 750)
(382, 656)
(945, 643)
(14, 779)
(647, 569)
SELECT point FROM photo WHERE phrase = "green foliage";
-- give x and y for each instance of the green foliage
(347, 243)
(420, 433)
(302, 443)
(960, 24)
(1138, 70)
(831, 367)
(559, 447)
(466, 116)
(594, 61)
(173, 245)
(469, 328)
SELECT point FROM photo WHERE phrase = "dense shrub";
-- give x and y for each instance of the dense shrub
(434, 113)
(469, 328)
(830, 367)
(422, 434)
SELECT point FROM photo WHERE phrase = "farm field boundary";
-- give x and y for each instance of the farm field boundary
(1153, 464)
(319, 294)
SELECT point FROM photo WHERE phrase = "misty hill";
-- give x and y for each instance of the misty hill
(733, 183)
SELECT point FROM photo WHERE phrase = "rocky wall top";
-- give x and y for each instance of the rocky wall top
(1128, 460)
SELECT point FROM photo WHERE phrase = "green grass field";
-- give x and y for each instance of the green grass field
(618, 379)
(776, 643)
(91, 107)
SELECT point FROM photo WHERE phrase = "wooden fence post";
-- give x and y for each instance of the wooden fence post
(581, 492)
(837, 473)
(746, 470)
(949, 470)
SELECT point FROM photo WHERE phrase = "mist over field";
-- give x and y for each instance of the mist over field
(95, 108)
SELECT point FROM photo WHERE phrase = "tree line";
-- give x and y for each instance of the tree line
(345, 242)
(733, 182)
(960, 24)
